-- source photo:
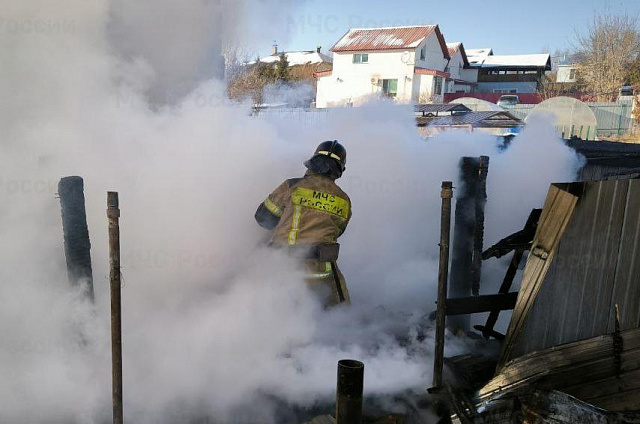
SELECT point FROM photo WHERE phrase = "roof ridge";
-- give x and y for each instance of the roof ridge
(394, 27)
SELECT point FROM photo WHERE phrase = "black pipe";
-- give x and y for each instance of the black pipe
(349, 392)
(77, 245)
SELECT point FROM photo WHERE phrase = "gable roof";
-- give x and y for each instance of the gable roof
(488, 118)
(477, 56)
(393, 38)
(454, 48)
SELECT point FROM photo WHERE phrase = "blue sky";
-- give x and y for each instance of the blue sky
(509, 27)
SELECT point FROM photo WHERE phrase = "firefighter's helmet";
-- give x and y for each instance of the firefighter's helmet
(334, 150)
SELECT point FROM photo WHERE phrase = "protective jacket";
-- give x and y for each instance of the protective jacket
(305, 213)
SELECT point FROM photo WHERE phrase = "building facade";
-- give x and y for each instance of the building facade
(408, 64)
(512, 74)
(416, 65)
(462, 76)
(567, 74)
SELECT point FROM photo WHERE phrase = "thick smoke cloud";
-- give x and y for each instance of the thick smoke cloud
(214, 326)
(183, 43)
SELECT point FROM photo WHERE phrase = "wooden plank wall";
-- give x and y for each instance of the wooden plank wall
(555, 217)
(596, 266)
(585, 369)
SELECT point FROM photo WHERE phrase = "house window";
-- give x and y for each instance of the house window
(572, 74)
(361, 58)
(390, 87)
(423, 53)
(438, 85)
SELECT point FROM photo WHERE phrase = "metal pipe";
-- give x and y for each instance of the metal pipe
(113, 214)
(77, 245)
(349, 392)
(443, 274)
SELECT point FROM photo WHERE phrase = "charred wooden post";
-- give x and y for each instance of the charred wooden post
(443, 274)
(478, 238)
(113, 214)
(349, 392)
(518, 242)
(463, 236)
(77, 245)
(487, 329)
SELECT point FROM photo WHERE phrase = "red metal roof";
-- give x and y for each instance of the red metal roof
(322, 73)
(426, 71)
(397, 38)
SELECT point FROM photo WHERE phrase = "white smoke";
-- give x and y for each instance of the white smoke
(214, 327)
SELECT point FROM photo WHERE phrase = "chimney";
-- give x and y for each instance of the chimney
(274, 49)
(318, 49)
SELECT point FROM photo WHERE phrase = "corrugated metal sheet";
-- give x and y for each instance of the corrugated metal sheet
(397, 38)
(597, 265)
(607, 160)
(482, 118)
(613, 118)
(441, 107)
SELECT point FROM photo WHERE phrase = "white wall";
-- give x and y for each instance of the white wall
(434, 58)
(427, 87)
(456, 65)
(564, 74)
(470, 75)
(350, 83)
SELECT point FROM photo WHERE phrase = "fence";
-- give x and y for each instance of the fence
(303, 115)
(614, 119)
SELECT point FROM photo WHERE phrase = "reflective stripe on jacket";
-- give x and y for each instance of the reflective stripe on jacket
(306, 211)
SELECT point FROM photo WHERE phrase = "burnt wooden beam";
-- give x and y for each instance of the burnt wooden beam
(77, 245)
(113, 215)
(507, 282)
(489, 332)
(478, 236)
(520, 240)
(463, 236)
(479, 304)
(443, 274)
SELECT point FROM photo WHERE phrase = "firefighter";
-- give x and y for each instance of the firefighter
(307, 215)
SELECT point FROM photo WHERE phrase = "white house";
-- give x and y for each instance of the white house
(462, 77)
(296, 58)
(405, 63)
(567, 74)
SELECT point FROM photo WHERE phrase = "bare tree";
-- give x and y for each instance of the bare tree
(235, 58)
(606, 50)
